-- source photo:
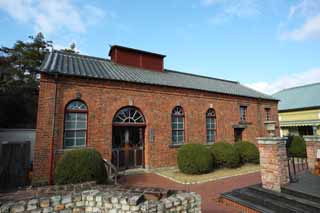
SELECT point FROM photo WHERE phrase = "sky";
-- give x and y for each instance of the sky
(267, 45)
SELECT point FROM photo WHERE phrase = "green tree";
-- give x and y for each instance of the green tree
(19, 82)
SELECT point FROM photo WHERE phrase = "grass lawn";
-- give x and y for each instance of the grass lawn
(175, 175)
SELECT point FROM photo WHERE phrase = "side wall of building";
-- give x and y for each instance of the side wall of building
(104, 98)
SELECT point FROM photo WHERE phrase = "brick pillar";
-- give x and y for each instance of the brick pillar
(273, 162)
(313, 144)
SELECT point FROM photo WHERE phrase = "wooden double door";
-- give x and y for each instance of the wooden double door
(128, 147)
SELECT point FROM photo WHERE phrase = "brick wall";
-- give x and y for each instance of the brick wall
(312, 145)
(104, 98)
(273, 162)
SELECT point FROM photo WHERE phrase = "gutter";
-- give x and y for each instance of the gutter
(51, 156)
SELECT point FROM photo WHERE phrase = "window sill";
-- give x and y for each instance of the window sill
(70, 149)
(211, 143)
(175, 145)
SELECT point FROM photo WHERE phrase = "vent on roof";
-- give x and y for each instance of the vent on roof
(136, 58)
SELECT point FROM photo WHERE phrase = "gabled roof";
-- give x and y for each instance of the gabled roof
(307, 96)
(93, 67)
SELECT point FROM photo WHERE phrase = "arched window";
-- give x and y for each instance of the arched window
(129, 115)
(211, 125)
(75, 124)
(177, 125)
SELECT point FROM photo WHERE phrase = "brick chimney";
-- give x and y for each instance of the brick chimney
(136, 58)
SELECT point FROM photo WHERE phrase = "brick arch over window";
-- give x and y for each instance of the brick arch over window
(211, 125)
(75, 124)
(177, 125)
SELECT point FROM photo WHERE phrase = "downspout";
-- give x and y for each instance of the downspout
(51, 157)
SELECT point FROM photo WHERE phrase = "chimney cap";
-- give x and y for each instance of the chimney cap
(134, 50)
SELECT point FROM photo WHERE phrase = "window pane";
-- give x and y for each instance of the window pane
(80, 141)
(82, 116)
(174, 137)
(81, 134)
(71, 116)
(210, 136)
(180, 137)
(81, 125)
(70, 125)
(180, 119)
(174, 123)
(68, 142)
(70, 134)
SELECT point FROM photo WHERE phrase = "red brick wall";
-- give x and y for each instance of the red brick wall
(104, 98)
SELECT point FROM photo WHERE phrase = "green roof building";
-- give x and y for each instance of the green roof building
(299, 110)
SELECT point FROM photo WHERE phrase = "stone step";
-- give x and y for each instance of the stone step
(301, 203)
(262, 200)
(303, 195)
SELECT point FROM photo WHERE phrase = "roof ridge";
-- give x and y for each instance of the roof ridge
(202, 76)
(79, 55)
(296, 87)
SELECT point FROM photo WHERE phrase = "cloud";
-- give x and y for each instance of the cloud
(51, 16)
(226, 10)
(307, 12)
(309, 30)
(287, 81)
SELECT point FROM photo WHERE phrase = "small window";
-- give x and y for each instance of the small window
(75, 125)
(243, 113)
(211, 125)
(177, 125)
(268, 114)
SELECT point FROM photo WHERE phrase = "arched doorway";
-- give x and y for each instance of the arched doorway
(128, 127)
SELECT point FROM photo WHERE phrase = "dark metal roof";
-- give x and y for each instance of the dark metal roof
(93, 67)
(301, 97)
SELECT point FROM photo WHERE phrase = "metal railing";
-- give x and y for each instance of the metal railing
(112, 171)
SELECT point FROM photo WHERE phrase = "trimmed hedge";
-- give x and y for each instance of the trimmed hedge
(194, 159)
(297, 147)
(248, 152)
(225, 155)
(80, 165)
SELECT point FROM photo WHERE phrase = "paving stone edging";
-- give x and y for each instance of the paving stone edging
(204, 181)
(113, 199)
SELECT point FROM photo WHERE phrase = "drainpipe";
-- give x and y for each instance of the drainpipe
(51, 156)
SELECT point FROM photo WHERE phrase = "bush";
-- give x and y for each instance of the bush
(225, 155)
(248, 152)
(81, 165)
(195, 159)
(297, 147)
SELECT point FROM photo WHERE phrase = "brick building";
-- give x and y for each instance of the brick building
(135, 112)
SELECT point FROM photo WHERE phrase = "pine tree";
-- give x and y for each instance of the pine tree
(19, 83)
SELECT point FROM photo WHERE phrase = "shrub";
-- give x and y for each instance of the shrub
(80, 165)
(248, 152)
(297, 147)
(194, 159)
(225, 155)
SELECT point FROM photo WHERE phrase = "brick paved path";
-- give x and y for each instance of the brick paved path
(209, 191)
